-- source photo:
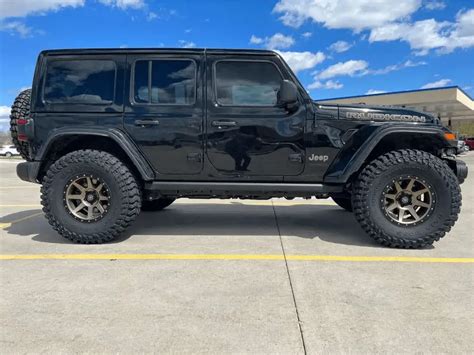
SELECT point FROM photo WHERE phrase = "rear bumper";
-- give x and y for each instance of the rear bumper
(28, 171)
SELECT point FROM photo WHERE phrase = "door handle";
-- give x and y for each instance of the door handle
(222, 124)
(147, 122)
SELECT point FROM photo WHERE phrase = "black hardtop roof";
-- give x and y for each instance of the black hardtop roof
(86, 51)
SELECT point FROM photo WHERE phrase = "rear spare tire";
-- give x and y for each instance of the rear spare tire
(20, 110)
(406, 199)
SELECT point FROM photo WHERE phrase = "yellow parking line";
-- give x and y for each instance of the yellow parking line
(8, 224)
(234, 257)
(19, 187)
(37, 205)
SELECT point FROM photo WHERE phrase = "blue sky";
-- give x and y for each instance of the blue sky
(338, 47)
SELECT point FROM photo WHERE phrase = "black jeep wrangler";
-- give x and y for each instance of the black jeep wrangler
(108, 132)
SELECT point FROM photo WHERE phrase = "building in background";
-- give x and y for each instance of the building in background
(451, 104)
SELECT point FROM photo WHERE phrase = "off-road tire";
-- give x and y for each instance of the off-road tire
(157, 205)
(367, 192)
(344, 203)
(125, 197)
(20, 109)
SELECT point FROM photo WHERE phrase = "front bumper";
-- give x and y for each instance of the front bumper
(460, 169)
(28, 171)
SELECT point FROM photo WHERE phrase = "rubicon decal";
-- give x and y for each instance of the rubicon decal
(370, 116)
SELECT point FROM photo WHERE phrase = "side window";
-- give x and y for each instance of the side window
(240, 83)
(80, 81)
(164, 82)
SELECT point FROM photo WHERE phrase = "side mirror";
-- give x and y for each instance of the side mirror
(288, 95)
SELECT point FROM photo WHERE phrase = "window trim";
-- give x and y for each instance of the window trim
(214, 80)
(149, 59)
(78, 59)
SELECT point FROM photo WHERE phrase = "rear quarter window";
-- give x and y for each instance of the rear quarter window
(80, 81)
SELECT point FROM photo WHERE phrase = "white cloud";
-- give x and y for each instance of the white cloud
(5, 111)
(186, 44)
(307, 34)
(124, 4)
(395, 67)
(352, 14)
(330, 84)
(280, 41)
(20, 8)
(256, 40)
(340, 46)
(373, 92)
(4, 115)
(151, 16)
(434, 5)
(426, 35)
(277, 41)
(350, 68)
(302, 60)
(422, 35)
(17, 28)
(437, 84)
(361, 68)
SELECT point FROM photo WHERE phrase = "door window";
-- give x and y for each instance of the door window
(251, 83)
(165, 82)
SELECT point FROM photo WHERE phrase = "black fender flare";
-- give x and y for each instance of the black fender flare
(359, 157)
(118, 136)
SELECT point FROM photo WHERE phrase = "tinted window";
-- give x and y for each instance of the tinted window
(141, 82)
(172, 82)
(247, 83)
(80, 81)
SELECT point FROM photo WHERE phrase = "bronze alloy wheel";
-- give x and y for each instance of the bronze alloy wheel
(408, 201)
(86, 198)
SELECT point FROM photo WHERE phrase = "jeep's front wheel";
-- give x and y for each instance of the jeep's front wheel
(90, 196)
(406, 199)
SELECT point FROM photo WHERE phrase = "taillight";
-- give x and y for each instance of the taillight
(21, 122)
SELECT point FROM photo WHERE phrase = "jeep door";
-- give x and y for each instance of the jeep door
(165, 112)
(247, 132)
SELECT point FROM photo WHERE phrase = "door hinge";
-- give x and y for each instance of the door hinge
(296, 158)
(195, 157)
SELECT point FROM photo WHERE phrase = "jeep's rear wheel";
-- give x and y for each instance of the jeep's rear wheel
(158, 204)
(90, 196)
(406, 199)
(20, 110)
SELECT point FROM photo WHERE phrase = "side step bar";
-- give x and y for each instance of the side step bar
(239, 188)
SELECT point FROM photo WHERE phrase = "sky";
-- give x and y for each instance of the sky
(336, 47)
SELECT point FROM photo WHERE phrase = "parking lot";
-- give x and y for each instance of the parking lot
(211, 276)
